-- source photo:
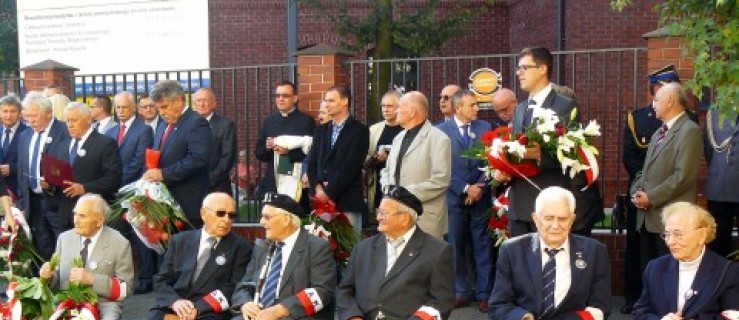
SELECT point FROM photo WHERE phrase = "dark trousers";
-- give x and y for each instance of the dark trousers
(470, 227)
(651, 247)
(632, 264)
(519, 227)
(147, 261)
(726, 215)
(46, 225)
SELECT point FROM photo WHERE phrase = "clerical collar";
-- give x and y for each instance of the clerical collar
(285, 114)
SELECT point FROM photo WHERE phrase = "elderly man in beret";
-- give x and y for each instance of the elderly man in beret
(292, 274)
(401, 273)
(105, 253)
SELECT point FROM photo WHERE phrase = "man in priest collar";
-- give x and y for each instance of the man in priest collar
(400, 273)
(106, 254)
(201, 267)
(552, 274)
(293, 274)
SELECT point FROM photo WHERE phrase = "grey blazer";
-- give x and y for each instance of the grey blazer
(110, 258)
(426, 172)
(723, 167)
(310, 266)
(670, 172)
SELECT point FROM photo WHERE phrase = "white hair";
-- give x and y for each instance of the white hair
(555, 195)
(81, 106)
(37, 98)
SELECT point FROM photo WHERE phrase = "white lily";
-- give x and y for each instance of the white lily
(515, 148)
(592, 129)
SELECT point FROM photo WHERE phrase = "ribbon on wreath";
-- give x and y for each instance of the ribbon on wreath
(588, 159)
(84, 311)
(12, 310)
(152, 158)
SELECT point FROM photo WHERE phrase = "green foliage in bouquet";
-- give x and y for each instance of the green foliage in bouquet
(78, 292)
(35, 297)
(18, 251)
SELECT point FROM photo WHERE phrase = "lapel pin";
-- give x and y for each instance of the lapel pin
(81, 152)
(221, 260)
(689, 294)
(49, 139)
(579, 262)
(93, 265)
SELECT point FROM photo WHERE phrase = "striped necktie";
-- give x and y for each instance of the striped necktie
(549, 277)
(269, 294)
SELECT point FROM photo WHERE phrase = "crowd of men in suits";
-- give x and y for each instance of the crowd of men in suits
(433, 252)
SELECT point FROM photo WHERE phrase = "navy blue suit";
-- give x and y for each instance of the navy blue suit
(184, 161)
(518, 280)
(11, 158)
(716, 287)
(41, 209)
(468, 223)
(138, 138)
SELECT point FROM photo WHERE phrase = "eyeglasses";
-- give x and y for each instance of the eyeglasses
(676, 235)
(147, 106)
(223, 213)
(283, 95)
(383, 213)
(526, 67)
(387, 106)
(444, 97)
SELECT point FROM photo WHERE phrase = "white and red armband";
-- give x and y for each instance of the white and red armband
(311, 301)
(730, 314)
(117, 290)
(590, 313)
(427, 313)
(217, 301)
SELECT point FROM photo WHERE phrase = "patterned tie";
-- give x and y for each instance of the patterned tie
(34, 162)
(167, 131)
(203, 257)
(529, 113)
(73, 152)
(662, 133)
(393, 257)
(466, 135)
(6, 142)
(549, 277)
(121, 133)
(83, 252)
(269, 294)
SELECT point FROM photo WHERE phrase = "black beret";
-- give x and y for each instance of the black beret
(405, 197)
(283, 202)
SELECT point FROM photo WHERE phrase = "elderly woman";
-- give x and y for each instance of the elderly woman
(692, 282)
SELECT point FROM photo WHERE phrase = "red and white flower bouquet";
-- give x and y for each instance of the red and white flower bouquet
(327, 222)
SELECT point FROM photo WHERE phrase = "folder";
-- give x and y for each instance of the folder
(56, 171)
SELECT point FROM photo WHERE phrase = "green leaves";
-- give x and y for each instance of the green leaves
(35, 296)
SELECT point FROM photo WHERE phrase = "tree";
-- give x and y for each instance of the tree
(8, 37)
(417, 33)
(710, 30)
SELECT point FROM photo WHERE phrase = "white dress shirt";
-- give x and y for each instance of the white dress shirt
(91, 246)
(44, 140)
(80, 142)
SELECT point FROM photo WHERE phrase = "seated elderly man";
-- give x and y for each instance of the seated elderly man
(201, 267)
(552, 274)
(106, 254)
(401, 273)
(692, 282)
(302, 264)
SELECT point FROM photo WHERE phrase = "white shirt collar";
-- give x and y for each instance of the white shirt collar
(12, 128)
(129, 122)
(406, 236)
(565, 246)
(671, 122)
(460, 123)
(540, 96)
(103, 123)
(209, 116)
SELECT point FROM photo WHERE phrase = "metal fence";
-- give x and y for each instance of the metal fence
(12, 84)
(608, 84)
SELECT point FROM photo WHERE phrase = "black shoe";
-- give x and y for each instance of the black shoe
(628, 308)
(142, 288)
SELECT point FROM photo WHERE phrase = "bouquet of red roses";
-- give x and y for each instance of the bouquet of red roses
(327, 222)
(498, 220)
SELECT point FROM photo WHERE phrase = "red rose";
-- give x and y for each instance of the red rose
(19, 247)
(487, 138)
(124, 217)
(333, 243)
(561, 130)
(179, 224)
(523, 140)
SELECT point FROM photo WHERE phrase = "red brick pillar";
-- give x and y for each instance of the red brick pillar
(663, 49)
(49, 72)
(319, 68)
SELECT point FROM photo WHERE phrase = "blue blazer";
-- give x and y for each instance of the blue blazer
(716, 287)
(58, 133)
(133, 149)
(12, 158)
(518, 279)
(465, 171)
(184, 162)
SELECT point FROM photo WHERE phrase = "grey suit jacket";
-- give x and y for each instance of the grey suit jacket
(310, 266)
(670, 172)
(426, 172)
(423, 275)
(110, 258)
(522, 193)
(723, 167)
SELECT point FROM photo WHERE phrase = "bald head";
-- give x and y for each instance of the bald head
(413, 109)
(445, 100)
(670, 101)
(504, 104)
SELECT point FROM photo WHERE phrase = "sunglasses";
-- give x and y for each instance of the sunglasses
(223, 213)
(444, 97)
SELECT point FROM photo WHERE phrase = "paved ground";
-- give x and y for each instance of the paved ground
(134, 308)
